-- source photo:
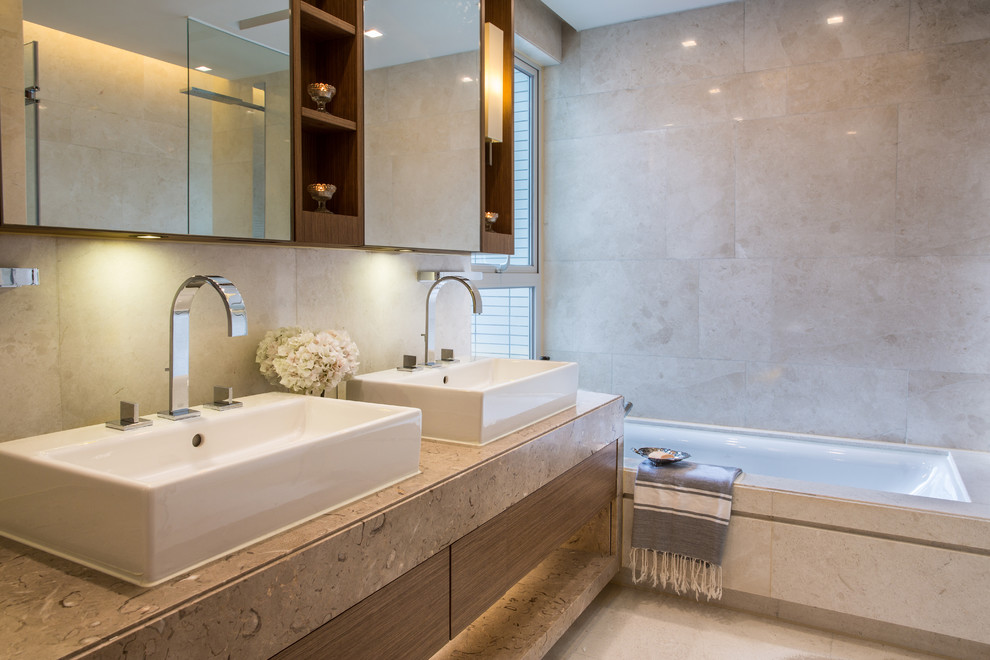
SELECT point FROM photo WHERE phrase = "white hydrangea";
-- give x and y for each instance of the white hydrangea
(307, 362)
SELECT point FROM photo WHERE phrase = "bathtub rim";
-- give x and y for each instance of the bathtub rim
(973, 468)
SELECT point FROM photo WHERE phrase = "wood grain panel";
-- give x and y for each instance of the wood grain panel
(487, 562)
(498, 175)
(408, 618)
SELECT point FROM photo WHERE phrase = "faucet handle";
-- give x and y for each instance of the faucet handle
(408, 363)
(447, 355)
(130, 418)
(223, 398)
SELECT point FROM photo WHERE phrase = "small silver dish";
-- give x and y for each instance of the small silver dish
(661, 456)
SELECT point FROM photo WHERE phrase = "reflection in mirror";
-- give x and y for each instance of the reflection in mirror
(422, 124)
(239, 150)
(121, 147)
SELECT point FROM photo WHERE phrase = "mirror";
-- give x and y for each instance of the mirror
(126, 134)
(422, 124)
(423, 151)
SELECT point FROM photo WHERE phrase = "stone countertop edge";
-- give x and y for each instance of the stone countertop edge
(292, 582)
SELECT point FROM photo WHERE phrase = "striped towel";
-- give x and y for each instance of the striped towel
(680, 520)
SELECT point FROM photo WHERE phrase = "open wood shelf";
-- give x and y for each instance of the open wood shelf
(328, 46)
(322, 121)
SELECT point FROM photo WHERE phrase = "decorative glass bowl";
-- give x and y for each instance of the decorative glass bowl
(322, 193)
(321, 93)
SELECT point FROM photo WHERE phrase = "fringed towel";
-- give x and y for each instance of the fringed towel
(680, 519)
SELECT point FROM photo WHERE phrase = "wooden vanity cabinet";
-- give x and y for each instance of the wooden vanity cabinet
(418, 613)
(408, 618)
(485, 563)
(328, 46)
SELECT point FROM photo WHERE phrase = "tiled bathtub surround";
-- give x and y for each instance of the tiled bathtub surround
(783, 225)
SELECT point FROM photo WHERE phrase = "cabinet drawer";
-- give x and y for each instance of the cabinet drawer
(485, 563)
(408, 618)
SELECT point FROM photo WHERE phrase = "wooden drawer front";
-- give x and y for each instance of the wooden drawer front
(408, 618)
(487, 562)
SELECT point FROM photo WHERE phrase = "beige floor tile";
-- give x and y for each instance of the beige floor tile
(625, 623)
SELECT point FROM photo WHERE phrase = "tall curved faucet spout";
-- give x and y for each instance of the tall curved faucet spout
(431, 299)
(178, 357)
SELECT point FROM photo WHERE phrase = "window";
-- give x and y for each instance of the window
(510, 290)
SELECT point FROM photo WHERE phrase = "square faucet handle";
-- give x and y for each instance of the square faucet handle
(223, 394)
(130, 418)
(408, 361)
(447, 355)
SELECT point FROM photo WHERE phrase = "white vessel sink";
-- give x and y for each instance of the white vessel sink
(148, 504)
(478, 401)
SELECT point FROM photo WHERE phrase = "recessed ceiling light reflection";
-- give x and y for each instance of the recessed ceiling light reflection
(689, 43)
(714, 90)
(373, 33)
(850, 132)
(203, 68)
(467, 79)
(834, 20)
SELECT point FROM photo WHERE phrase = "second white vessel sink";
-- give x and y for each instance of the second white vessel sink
(477, 401)
(148, 504)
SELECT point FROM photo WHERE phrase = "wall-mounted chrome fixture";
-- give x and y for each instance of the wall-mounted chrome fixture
(13, 277)
(431, 299)
(178, 356)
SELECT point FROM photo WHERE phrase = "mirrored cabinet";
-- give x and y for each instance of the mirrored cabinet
(220, 120)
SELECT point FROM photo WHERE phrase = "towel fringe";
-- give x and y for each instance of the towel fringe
(678, 572)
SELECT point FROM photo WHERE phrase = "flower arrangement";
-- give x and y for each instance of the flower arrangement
(305, 361)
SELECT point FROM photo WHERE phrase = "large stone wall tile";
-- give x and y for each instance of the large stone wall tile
(605, 198)
(948, 409)
(747, 558)
(942, 194)
(841, 401)
(901, 77)
(920, 313)
(782, 33)
(636, 307)
(711, 391)
(939, 22)
(700, 187)
(30, 341)
(594, 369)
(883, 580)
(735, 308)
(816, 185)
(626, 55)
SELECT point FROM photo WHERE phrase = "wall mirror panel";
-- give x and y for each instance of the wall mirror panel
(422, 124)
(127, 135)
(146, 121)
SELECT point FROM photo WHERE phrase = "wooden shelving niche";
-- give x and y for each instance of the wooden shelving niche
(328, 46)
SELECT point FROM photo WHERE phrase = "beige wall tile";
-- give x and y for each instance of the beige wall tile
(747, 558)
(816, 185)
(595, 369)
(608, 193)
(29, 353)
(682, 389)
(537, 24)
(931, 589)
(938, 22)
(627, 55)
(841, 401)
(783, 33)
(735, 306)
(948, 409)
(899, 77)
(920, 314)
(618, 292)
(942, 196)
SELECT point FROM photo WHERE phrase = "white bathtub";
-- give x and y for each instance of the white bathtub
(883, 466)
(883, 541)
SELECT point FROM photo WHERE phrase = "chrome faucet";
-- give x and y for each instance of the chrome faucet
(178, 357)
(431, 300)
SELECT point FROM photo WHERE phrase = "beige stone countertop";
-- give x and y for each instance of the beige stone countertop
(258, 600)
